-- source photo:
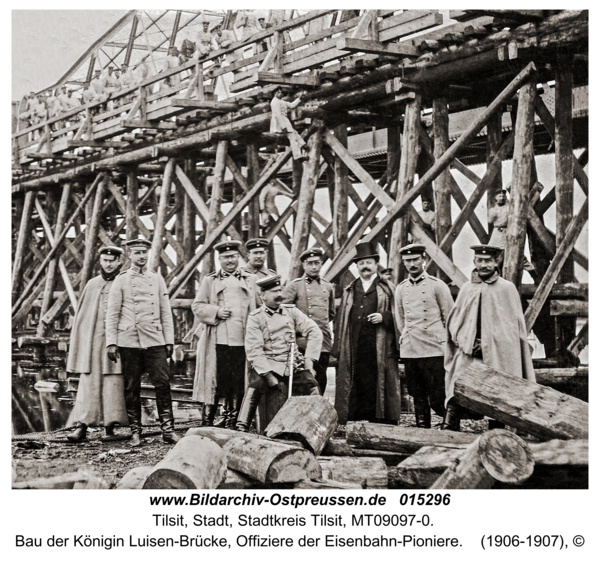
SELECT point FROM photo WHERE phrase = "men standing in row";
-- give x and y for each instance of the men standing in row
(139, 329)
(367, 381)
(222, 305)
(485, 325)
(314, 297)
(100, 399)
(423, 304)
(257, 256)
(270, 331)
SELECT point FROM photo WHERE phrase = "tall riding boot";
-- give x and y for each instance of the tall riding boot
(167, 426)
(136, 431)
(79, 434)
(248, 409)
(422, 413)
(233, 413)
(452, 418)
(208, 415)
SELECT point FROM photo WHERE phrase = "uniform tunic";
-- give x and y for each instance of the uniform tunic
(498, 216)
(100, 395)
(263, 272)
(281, 123)
(139, 311)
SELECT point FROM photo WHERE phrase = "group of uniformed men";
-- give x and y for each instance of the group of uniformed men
(254, 336)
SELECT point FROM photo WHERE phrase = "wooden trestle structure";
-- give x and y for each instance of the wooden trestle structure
(161, 165)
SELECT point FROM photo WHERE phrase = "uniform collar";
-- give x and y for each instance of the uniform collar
(420, 278)
(139, 270)
(225, 274)
(477, 279)
(271, 312)
(253, 270)
(309, 280)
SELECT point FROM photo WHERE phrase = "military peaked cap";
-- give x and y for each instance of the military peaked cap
(138, 241)
(269, 282)
(486, 250)
(413, 249)
(313, 252)
(110, 250)
(255, 243)
(229, 245)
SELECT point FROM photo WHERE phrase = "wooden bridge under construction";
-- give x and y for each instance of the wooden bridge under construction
(397, 105)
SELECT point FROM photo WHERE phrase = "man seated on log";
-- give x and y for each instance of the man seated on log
(423, 304)
(485, 325)
(498, 217)
(100, 395)
(257, 256)
(139, 330)
(204, 42)
(281, 124)
(367, 384)
(314, 297)
(222, 306)
(270, 332)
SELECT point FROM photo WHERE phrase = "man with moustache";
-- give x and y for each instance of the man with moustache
(367, 380)
(256, 257)
(269, 332)
(222, 306)
(485, 325)
(139, 329)
(423, 303)
(100, 400)
(314, 297)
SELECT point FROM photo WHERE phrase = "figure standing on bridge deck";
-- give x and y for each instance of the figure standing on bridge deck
(139, 328)
(485, 325)
(498, 217)
(367, 381)
(222, 306)
(100, 395)
(269, 334)
(204, 43)
(257, 256)
(314, 297)
(423, 304)
(281, 123)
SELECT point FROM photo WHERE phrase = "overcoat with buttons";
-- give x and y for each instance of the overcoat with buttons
(422, 308)
(139, 312)
(387, 376)
(211, 296)
(316, 299)
(267, 346)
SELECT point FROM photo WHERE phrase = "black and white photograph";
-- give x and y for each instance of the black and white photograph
(326, 260)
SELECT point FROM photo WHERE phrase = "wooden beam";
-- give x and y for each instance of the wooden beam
(23, 236)
(521, 181)
(304, 80)
(339, 211)
(97, 144)
(569, 308)
(378, 48)
(219, 106)
(131, 209)
(89, 256)
(159, 227)
(580, 341)
(165, 125)
(551, 275)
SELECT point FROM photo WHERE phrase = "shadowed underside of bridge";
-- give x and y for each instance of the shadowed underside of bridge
(397, 106)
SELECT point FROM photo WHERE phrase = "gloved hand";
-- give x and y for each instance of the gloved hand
(113, 352)
(271, 380)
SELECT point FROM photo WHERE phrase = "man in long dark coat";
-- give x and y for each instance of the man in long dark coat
(100, 395)
(367, 379)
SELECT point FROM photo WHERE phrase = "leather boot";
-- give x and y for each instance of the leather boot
(248, 409)
(167, 426)
(422, 413)
(208, 415)
(232, 414)
(109, 430)
(136, 432)
(452, 418)
(79, 434)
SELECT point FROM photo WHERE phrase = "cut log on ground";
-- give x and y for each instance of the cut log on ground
(497, 455)
(527, 406)
(337, 447)
(223, 436)
(325, 484)
(82, 479)
(310, 420)
(561, 452)
(402, 439)
(369, 473)
(134, 478)
(269, 461)
(194, 462)
(237, 480)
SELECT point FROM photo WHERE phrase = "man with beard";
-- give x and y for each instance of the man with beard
(314, 297)
(100, 400)
(423, 303)
(257, 255)
(222, 306)
(367, 381)
(139, 329)
(485, 325)
(269, 334)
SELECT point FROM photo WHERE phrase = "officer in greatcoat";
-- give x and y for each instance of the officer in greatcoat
(257, 257)
(423, 304)
(222, 306)
(139, 329)
(270, 331)
(314, 297)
